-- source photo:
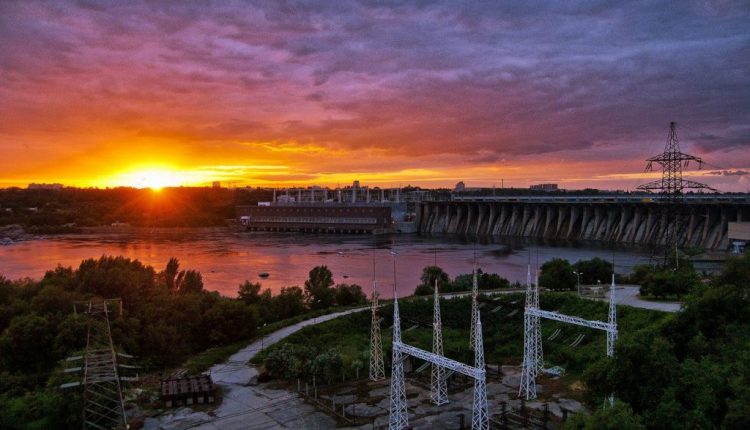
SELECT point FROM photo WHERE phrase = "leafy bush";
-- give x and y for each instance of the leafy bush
(557, 275)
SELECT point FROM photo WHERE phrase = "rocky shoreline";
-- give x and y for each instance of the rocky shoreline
(10, 234)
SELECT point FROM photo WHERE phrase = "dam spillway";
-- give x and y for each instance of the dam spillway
(621, 219)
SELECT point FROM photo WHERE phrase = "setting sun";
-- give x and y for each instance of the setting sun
(153, 178)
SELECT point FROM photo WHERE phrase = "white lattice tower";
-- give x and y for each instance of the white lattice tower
(529, 288)
(438, 383)
(537, 330)
(398, 419)
(612, 335)
(474, 310)
(479, 413)
(377, 370)
(527, 388)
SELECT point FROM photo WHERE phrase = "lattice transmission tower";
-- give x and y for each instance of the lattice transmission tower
(377, 369)
(479, 411)
(438, 382)
(398, 417)
(671, 186)
(103, 406)
(474, 310)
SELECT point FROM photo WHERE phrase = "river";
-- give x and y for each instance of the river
(226, 258)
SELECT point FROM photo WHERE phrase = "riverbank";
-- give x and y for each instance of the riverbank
(227, 258)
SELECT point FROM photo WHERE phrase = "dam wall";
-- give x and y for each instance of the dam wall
(640, 221)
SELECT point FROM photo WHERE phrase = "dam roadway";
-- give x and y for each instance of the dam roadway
(630, 219)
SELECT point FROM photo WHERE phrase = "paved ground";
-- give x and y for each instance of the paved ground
(249, 407)
(628, 295)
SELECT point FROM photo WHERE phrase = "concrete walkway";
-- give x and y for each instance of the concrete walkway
(629, 295)
(247, 407)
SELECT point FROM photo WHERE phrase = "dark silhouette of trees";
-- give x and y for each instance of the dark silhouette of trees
(249, 292)
(318, 291)
(557, 275)
(594, 270)
(348, 295)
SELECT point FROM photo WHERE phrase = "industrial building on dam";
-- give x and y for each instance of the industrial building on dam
(708, 221)
(351, 210)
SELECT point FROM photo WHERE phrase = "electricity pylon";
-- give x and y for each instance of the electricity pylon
(529, 367)
(103, 407)
(537, 328)
(398, 418)
(612, 335)
(479, 414)
(671, 186)
(474, 310)
(377, 370)
(438, 386)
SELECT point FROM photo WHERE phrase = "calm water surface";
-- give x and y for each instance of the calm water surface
(227, 258)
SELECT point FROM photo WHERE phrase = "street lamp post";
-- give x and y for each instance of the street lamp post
(578, 275)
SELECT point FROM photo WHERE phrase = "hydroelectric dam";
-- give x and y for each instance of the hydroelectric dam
(629, 219)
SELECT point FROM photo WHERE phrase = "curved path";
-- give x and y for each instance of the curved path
(629, 295)
(247, 407)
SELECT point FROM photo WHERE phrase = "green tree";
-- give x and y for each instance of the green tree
(289, 302)
(229, 321)
(594, 270)
(736, 272)
(557, 274)
(249, 292)
(431, 273)
(26, 345)
(170, 273)
(192, 282)
(618, 417)
(318, 291)
(348, 295)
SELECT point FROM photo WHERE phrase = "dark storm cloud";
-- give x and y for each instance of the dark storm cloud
(488, 80)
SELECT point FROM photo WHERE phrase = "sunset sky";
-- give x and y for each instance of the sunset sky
(323, 92)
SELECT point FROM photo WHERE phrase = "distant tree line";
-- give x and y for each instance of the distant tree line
(50, 211)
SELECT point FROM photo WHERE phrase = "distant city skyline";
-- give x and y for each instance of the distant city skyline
(322, 93)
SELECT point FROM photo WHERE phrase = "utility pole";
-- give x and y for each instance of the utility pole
(671, 187)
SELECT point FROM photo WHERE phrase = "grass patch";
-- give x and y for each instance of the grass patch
(204, 360)
(502, 320)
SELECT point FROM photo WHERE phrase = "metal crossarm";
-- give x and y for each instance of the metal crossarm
(599, 325)
(445, 362)
(531, 365)
(442, 368)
